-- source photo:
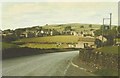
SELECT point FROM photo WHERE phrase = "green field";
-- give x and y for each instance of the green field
(118, 39)
(49, 39)
(37, 42)
(108, 49)
(8, 45)
(107, 72)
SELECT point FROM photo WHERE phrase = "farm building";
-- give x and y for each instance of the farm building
(90, 42)
(86, 42)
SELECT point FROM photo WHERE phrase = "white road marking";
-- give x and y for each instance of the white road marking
(78, 66)
(66, 69)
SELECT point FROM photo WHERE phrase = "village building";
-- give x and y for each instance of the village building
(74, 33)
(102, 38)
(24, 34)
(91, 42)
(86, 43)
(86, 33)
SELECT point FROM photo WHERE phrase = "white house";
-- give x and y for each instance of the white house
(51, 33)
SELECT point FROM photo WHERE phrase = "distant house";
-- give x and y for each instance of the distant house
(118, 43)
(68, 32)
(71, 45)
(92, 33)
(74, 33)
(29, 34)
(42, 31)
(87, 33)
(51, 33)
(24, 34)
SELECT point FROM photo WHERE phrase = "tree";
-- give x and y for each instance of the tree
(118, 29)
(9, 38)
(98, 32)
(46, 25)
(98, 43)
(82, 26)
(91, 29)
(90, 26)
(110, 39)
(67, 28)
(106, 32)
(114, 31)
(8, 31)
(18, 32)
(81, 32)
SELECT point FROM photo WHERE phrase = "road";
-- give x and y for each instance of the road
(51, 64)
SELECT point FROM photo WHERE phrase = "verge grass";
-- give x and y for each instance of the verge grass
(108, 49)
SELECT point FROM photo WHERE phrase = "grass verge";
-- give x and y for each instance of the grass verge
(106, 72)
(108, 49)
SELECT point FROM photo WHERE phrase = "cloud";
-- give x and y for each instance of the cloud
(15, 15)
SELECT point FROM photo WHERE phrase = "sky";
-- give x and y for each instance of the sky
(28, 14)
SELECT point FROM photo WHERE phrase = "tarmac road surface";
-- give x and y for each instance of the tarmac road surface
(50, 64)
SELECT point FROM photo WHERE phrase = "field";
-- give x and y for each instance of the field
(106, 72)
(48, 42)
(51, 39)
(118, 39)
(8, 45)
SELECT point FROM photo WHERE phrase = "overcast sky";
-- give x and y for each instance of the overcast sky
(20, 15)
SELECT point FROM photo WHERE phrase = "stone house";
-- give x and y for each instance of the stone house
(103, 39)
(86, 43)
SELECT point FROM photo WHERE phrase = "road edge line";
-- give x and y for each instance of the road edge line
(81, 68)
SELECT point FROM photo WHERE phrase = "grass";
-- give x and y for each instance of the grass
(108, 49)
(43, 46)
(50, 41)
(118, 39)
(8, 45)
(75, 26)
(106, 72)
(62, 39)
(54, 39)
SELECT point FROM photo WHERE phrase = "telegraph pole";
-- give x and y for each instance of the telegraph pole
(103, 28)
(110, 24)
(110, 19)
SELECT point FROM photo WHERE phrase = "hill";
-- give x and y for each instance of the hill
(74, 26)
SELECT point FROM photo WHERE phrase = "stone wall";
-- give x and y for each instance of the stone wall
(99, 60)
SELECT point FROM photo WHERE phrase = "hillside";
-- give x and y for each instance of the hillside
(74, 26)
